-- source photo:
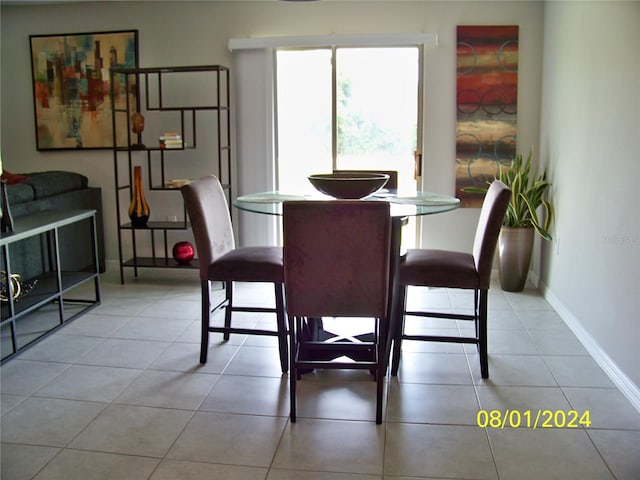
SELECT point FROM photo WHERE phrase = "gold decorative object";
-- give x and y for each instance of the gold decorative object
(13, 288)
(137, 127)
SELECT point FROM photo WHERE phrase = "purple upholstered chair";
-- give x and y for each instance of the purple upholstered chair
(471, 271)
(220, 261)
(336, 264)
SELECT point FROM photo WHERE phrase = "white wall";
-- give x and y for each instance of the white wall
(188, 33)
(590, 137)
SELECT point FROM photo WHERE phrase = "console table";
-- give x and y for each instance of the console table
(67, 288)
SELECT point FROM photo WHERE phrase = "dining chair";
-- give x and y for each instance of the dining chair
(392, 183)
(336, 264)
(221, 261)
(456, 270)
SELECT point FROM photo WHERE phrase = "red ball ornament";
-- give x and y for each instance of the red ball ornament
(183, 252)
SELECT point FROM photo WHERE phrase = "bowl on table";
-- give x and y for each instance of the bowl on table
(350, 185)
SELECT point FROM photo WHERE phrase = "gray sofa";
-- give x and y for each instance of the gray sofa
(55, 190)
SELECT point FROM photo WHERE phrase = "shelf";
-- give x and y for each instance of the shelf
(204, 113)
(182, 109)
(165, 189)
(154, 149)
(225, 186)
(158, 226)
(45, 290)
(150, 262)
(187, 68)
(48, 303)
(178, 109)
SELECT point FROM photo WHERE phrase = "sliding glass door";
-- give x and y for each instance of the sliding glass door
(377, 110)
(348, 108)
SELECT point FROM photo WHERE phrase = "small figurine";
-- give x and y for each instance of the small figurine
(137, 126)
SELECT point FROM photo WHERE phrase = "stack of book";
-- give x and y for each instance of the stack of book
(171, 140)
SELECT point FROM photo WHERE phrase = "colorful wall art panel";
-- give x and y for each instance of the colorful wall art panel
(71, 86)
(486, 101)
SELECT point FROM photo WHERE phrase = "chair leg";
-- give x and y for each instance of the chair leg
(399, 326)
(206, 314)
(227, 310)
(482, 333)
(282, 327)
(380, 373)
(293, 371)
(476, 311)
(379, 395)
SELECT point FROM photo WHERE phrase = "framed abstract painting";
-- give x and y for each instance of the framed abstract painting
(71, 98)
(487, 106)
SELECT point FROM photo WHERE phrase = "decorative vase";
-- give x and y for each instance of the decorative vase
(139, 208)
(7, 219)
(183, 252)
(514, 257)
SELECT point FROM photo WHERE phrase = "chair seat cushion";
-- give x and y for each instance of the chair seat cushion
(439, 268)
(249, 264)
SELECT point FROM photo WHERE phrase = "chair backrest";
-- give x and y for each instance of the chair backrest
(492, 215)
(208, 211)
(392, 183)
(336, 258)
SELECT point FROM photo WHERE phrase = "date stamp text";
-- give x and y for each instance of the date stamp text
(533, 419)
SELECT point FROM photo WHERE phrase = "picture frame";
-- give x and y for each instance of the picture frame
(486, 106)
(71, 87)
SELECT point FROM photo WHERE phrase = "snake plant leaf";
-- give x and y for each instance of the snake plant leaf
(528, 189)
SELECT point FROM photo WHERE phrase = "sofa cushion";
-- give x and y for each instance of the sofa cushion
(46, 184)
(39, 185)
(19, 193)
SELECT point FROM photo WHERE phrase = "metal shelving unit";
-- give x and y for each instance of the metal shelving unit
(67, 288)
(158, 92)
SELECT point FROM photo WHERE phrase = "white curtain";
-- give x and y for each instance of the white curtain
(255, 140)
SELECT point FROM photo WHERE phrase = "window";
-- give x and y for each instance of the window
(347, 108)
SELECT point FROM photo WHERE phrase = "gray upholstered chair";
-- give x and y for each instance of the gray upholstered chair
(392, 183)
(336, 264)
(220, 261)
(444, 268)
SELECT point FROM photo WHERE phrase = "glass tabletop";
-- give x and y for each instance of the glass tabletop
(403, 204)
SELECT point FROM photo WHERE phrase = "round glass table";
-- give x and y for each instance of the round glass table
(403, 205)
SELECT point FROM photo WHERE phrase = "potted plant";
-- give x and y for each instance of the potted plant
(522, 220)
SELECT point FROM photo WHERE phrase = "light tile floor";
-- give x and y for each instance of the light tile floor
(119, 394)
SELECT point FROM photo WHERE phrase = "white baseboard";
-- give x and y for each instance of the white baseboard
(626, 386)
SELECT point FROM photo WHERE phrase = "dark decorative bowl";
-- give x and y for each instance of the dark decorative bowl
(348, 184)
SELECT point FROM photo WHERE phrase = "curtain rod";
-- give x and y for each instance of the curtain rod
(357, 40)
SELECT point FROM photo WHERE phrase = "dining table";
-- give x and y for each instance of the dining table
(403, 204)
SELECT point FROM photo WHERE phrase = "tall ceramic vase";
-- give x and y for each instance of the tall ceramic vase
(514, 257)
(139, 208)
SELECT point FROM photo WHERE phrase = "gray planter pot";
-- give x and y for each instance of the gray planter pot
(514, 254)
